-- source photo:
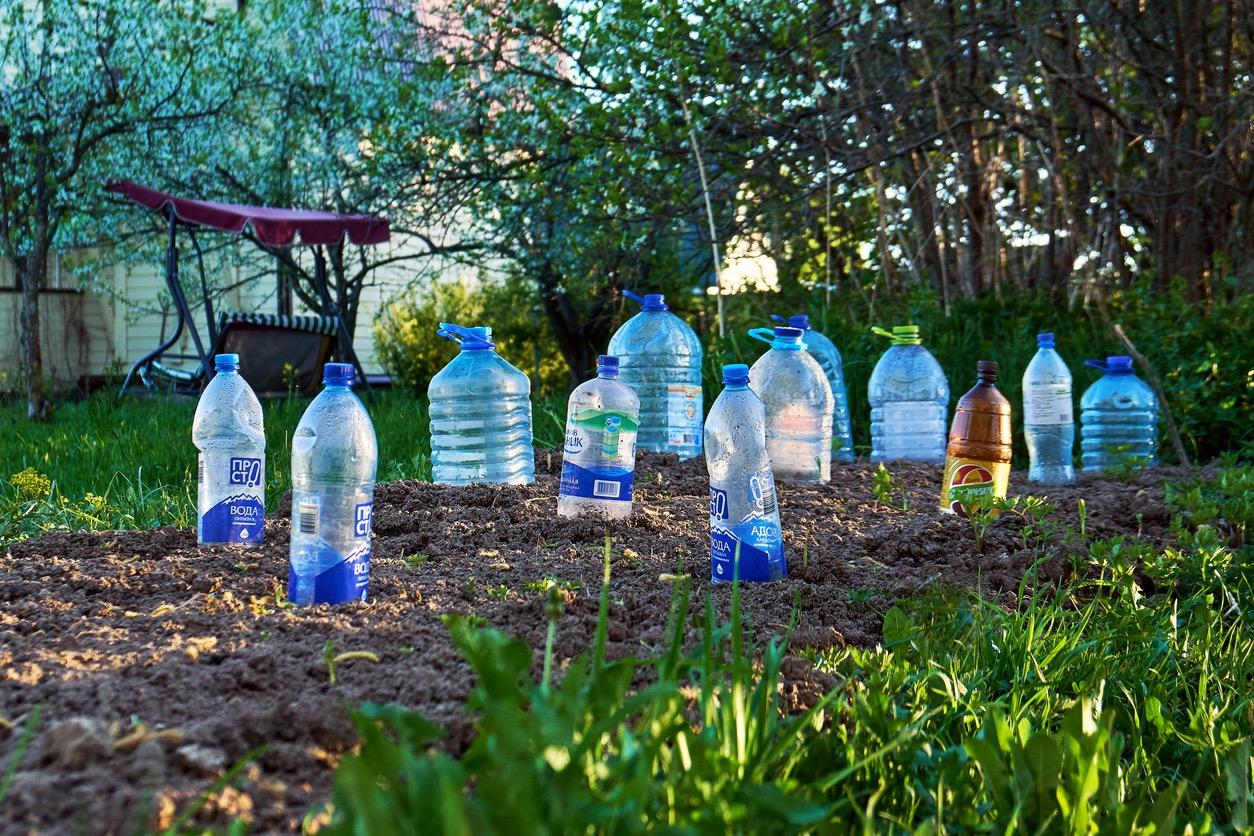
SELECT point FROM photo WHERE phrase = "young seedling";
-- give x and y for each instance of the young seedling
(332, 659)
(883, 487)
(413, 561)
(980, 511)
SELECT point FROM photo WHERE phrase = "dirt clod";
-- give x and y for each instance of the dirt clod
(144, 629)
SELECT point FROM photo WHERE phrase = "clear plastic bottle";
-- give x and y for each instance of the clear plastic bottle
(909, 398)
(744, 513)
(1048, 419)
(799, 408)
(1118, 418)
(599, 456)
(480, 415)
(231, 468)
(334, 455)
(825, 351)
(660, 358)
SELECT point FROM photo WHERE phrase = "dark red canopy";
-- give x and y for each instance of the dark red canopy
(273, 227)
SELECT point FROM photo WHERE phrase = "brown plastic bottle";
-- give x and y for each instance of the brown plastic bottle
(977, 460)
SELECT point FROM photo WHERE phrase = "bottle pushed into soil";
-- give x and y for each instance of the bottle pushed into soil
(746, 542)
(828, 356)
(599, 455)
(909, 398)
(480, 415)
(334, 454)
(660, 357)
(799, 406)
(977, 460)
(231, 471)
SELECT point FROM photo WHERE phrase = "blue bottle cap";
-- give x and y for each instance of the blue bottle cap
(1119, 363)
(735, 374)
(338, 374)
(1045, 340)
(799, 321)
(607, 361)
(226, 362)
(655, 302)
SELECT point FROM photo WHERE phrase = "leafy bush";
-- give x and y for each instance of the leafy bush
(407, 344)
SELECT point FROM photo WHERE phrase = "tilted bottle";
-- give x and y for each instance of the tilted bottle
(480, 415)
(334, 457)
(1048, 420)
(1118, 418)
(744, 513)
(909, 398)
(231, 468)
(660, 358)
(977, 460)
(798, 403)
(825, 352)
(599, 455)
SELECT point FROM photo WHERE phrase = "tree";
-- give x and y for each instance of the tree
(88, 84)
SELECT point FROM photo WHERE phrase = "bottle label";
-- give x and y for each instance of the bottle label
(231, 498)
(899, 413)
(967, 479)
(348, 576)
(1047, 404)
(757, 536)
(599, 457)
(683, 415)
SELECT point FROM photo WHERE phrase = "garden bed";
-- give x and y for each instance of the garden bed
(106, 632)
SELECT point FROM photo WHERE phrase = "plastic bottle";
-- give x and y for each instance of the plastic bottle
(599, 456)
(1118, 418)
(660, 358)
(744, 514)
(977, 458)
(798, 406)
(825, 351)
(231, 468)
(334, 454)
(480, 415)
(909, 398)
(1048, 420)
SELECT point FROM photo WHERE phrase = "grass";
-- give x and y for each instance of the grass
(1114, 702)
(106, 463)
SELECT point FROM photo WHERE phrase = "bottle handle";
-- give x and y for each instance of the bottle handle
(1097, 364)
(633, 296)
(766, 335)
(461, 335)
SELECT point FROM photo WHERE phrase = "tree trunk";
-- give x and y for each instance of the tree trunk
(32, 270)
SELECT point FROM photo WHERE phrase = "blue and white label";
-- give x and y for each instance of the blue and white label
(750, 548)
(599, 457)
(231, 498)
(346, 578)
(363, 515)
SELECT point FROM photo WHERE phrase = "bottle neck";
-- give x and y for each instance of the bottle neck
(607, 374)
(735, 387)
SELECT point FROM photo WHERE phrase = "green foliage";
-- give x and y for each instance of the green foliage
(406, 338)
(592, 751)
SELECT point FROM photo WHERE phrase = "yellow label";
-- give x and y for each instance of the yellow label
(966, 479)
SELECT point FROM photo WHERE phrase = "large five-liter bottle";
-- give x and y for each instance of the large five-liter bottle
(825, 352)
(744, 513)
(1118, 418)
(798, 403)
(660, 358)
(599, 454)
(909, 398)
(480, 415)
(334, 454)
(1048, 420)
(231, 469)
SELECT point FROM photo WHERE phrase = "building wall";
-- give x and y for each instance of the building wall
(94, 332)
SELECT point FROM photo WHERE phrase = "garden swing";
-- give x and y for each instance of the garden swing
(279, 352)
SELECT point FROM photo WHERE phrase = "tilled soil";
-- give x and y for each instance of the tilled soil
(109, 631)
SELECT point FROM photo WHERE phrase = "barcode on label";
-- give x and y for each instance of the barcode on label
(768, 502)
(608, 489)
(308, 513)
